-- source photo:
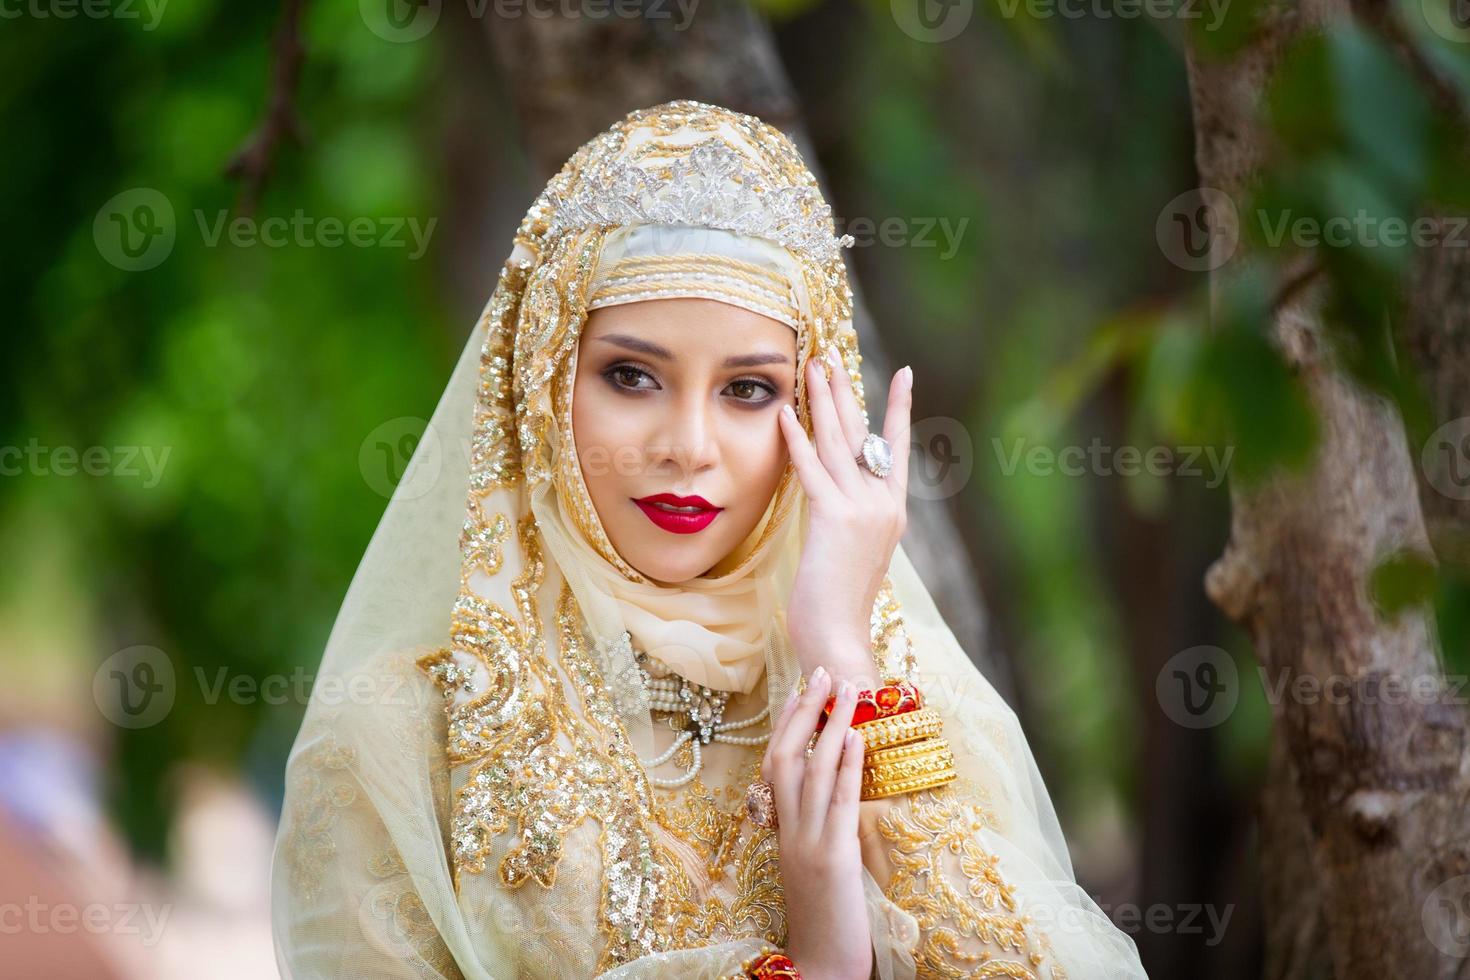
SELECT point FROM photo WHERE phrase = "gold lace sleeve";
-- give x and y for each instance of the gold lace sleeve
(344, 903)
(927, 852)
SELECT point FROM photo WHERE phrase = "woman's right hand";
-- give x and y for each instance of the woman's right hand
(817, 827)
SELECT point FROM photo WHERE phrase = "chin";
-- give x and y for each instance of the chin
(670, 570)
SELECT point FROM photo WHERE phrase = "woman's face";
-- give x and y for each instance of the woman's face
(680, 397)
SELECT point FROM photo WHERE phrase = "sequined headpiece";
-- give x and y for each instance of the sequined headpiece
(713, 186)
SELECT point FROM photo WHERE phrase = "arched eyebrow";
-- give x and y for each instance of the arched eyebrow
(663, 353)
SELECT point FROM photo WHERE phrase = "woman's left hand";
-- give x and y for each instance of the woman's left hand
(856, 523)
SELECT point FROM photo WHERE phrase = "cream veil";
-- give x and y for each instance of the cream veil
(465, 796)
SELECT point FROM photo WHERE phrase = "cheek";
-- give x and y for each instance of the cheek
(595, 429)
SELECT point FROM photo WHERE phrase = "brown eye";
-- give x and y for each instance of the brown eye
(627, 376)
(751, 390)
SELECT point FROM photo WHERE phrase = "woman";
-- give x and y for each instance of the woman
(679, 559)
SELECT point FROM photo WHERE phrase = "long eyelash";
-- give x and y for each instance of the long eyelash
(610, 375)
(759, 383)
(612, 370)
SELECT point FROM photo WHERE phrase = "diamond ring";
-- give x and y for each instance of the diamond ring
(876, 456)
(760, 804)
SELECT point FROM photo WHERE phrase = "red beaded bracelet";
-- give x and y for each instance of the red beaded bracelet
(892, 699)
(774, 965)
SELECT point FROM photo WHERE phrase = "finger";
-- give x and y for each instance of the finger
(896, 429)
(788, 751)
(848, 413)
(779, 725)
(814, 477)
(841, 465)
(842, 817)
(821, 768)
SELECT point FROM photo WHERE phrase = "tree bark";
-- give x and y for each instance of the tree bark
(1365, 809)
(572, 77)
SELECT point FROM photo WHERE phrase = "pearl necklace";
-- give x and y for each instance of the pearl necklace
(699, 711)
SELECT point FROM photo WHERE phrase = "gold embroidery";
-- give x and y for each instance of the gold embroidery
(757, 908)
(403, 920)
(321, 794)
(542, 746)
(892, 652)
(935, 835)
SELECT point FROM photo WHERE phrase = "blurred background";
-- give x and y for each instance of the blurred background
(247, 242)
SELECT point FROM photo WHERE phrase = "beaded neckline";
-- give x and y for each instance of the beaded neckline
(696, 712)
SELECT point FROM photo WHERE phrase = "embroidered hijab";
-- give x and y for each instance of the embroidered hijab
(480, 802)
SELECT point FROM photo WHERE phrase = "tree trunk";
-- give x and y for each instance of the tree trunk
(1365, 819)
(572, 77)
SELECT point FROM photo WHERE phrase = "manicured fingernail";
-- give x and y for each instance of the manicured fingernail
(788, 411)
(908, 375)
(832, 356)
(819, 675)
(844, 691)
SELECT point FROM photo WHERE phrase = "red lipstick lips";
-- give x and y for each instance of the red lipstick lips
(692, 513)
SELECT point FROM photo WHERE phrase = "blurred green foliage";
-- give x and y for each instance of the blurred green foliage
(263, 371)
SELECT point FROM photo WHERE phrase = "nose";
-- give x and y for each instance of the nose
(687, 437)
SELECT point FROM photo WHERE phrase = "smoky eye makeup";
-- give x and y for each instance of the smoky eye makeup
(628, 376)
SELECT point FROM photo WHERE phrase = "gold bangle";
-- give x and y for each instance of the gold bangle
(895, 754)
(908, 768)
(898, 788)
(911, 726)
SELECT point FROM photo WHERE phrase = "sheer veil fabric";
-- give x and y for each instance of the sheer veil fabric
(468, 795)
